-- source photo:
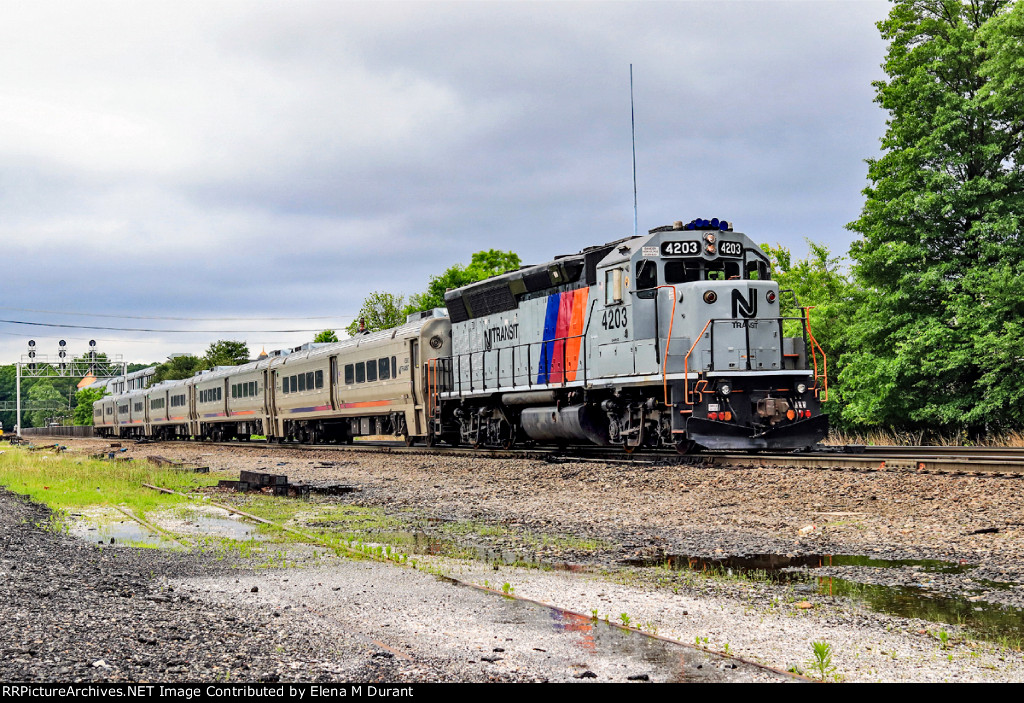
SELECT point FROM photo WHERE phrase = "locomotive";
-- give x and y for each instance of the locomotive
(673, 338)
(669, 339)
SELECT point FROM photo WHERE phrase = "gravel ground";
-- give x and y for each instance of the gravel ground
(654, 511)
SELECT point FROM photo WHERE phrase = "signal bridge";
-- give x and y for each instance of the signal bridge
(93, 363)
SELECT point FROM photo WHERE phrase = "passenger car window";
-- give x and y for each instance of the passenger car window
(361, 372)
(350, 374)
(384, 369)
(302, 382)
(320, 379)
(371, 370)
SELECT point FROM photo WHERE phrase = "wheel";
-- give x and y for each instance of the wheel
(686, 446)
(409, 440)
(431, 439)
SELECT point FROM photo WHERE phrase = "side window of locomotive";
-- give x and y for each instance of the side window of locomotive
(361, 372)
(383, 369)
(320, 379)
(350, 374)
(371, 371)
(682, 272)
(613, 287)
(646, 274)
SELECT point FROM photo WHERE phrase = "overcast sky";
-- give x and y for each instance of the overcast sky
(284, 159)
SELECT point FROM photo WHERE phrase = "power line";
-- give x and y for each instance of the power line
(144, 329)
(185, 319)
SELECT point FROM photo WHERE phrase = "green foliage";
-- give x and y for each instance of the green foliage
(822, 662)
(380, 311)
(941, 259)
(178, 368)
(326, 336)
(50, 401)
(83, 405)
(226, 353)
(483, 264)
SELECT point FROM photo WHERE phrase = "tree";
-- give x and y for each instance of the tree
(226, 353)
(380, 311)
(327, 336)
(483, 264)
(178, 368)
(83, 405)
(48, 403)
(941, 254)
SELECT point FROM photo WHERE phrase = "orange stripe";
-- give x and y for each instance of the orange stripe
(365, 404)
(572, 351)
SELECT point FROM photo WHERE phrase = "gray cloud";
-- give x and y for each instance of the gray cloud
(275, 158)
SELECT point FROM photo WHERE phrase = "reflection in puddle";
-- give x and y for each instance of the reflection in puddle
(195, 525)
(609, 653)
(122, 531)
(988, 620)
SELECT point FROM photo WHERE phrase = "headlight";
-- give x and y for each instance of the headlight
(801, 388)
(710, 297)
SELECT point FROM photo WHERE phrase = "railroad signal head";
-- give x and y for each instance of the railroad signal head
(31, 342)
(63, 343)
(92, 342)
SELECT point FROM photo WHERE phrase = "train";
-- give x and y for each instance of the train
(673, 339)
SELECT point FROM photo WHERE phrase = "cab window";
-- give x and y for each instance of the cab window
(646, 274)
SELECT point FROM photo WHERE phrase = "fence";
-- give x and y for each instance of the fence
(85, 431)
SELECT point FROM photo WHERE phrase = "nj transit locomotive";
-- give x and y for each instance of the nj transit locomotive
(673, 338)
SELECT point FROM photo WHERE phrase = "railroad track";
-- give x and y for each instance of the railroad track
(993, 461)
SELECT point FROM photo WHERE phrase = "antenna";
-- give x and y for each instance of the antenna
(632, 124)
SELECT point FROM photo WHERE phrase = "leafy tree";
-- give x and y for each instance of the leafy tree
(483, 264)
(226, 353)
(380, 311)
(178, 368)
(941, 254)
(49, 402)
(83, 405)
(328, 336)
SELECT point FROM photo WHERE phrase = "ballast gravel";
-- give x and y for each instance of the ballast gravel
(622, 511)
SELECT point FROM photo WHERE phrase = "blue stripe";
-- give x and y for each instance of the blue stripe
(547, 349)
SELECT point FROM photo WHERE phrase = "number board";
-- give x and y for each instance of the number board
(730, 249)
(690, 248)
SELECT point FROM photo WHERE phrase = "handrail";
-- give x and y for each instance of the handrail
(668, 341)
(686, 365)
(814, 357)
(581, 361)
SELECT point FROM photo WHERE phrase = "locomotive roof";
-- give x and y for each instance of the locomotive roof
(502, 292)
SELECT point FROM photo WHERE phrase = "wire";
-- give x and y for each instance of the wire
(187, 319)
(144, 329)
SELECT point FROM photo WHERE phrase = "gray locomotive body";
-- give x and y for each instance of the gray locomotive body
(673, 338)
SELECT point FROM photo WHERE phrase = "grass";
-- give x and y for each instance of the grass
(924, 438)
(67, 483)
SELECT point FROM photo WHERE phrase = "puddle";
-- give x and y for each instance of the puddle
(101, 527)
(431, 545)
(610, 653)
(122, 531)
(916, 600)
